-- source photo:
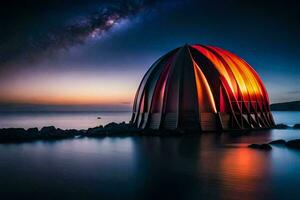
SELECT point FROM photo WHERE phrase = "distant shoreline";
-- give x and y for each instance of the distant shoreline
(286, 106)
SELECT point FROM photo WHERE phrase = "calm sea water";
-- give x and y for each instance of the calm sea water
(84, 120)
(64, 120)
(207, 166)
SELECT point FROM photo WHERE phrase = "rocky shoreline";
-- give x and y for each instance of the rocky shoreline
(53, 133)
(284, 126)
(294, 144)
(9, 135)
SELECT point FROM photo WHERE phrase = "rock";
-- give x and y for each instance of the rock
(281, 126)
(47, 130)
(278, 142)
(50, 132)
(260, 146)
(92, 131)
(59, 131)
(33, 130)
(296, 126)
(254, 146)
(13, 131)
(266, 147)
(73, 132)
(293, 143)
(112, 125)
(13, 134)
(115, 127)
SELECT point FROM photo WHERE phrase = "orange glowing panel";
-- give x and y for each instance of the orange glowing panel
(219, 66)
(142, 109)
(259, 90)
(244, 71)
(206, 100)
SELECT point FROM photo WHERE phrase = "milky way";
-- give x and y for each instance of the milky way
(32, 29)
(42, 58)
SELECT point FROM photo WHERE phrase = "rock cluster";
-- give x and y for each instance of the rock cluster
(46, 133)
(281, 126)
(277, 142)
(51, 132)
(111, 129)
(296, 126)
(284, 126)
(295, 144)
(260, 146)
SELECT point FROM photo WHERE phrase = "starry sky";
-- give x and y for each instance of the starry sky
(92, 54)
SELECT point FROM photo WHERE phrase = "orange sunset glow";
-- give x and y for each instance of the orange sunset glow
(70, 89)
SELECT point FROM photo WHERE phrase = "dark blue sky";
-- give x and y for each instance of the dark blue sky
(96, 52)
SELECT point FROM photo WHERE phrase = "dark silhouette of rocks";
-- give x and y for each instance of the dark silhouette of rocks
(296, 126)
(33, 130)
(121, 129)
(254, 146)
(278, 142)
(96, 130)
(281, 126)
(46, 133)
(284, 126)
(48, 130)
(260, 146)
(111, 129)
(293, 144)
(53, 133)
(112, 125)
(12, 134)
(289, 144)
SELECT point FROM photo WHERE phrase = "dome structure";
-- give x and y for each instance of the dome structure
(197, 87)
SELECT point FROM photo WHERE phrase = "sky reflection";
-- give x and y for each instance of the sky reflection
(189, 167)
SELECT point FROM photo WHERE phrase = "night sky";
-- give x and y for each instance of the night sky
(94, 53)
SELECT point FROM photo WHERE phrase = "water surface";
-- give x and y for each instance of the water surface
(63, 120)
(190, 167)
(207, 166)
(84, 120)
